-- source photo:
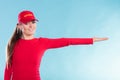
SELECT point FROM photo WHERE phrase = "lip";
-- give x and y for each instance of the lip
(31, 30)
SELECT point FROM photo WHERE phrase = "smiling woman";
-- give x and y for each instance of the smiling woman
(28, 29)
(24, 51)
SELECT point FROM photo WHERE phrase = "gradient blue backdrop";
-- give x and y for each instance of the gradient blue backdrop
(70, 18)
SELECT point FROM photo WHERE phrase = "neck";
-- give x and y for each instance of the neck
(27, 37)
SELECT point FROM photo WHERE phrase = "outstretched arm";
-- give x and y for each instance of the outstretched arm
(62, 42)
(97, 39)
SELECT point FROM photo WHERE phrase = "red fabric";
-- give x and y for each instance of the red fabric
(26, 16)
(28, 54)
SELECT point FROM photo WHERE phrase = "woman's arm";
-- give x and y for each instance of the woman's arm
(62, 42)
(8, 72)
(97, 39)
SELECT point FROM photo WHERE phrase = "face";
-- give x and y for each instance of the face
(29, 28)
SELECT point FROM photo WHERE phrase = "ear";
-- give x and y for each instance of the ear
(19, 26)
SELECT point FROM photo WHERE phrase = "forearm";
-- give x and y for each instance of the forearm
(80, 41)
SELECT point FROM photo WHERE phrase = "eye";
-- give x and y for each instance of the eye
(26, 23)
(33, 21)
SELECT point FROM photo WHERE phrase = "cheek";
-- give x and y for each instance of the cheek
(25, 28)
(35, 26)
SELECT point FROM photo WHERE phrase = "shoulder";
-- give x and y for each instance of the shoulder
(43, 39)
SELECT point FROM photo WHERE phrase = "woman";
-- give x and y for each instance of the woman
(24, 51)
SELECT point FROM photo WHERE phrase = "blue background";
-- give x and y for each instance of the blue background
(70, 18)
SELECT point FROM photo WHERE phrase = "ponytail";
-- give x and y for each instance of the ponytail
(10, 46)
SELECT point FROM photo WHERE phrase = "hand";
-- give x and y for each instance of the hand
(96, 39)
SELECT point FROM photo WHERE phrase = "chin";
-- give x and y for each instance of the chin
(31, 33)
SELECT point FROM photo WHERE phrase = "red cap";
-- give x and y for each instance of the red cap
(26, 16)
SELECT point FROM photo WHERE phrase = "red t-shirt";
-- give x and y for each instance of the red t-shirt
(27, 55)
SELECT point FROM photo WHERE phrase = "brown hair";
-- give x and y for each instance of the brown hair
(10, 46)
